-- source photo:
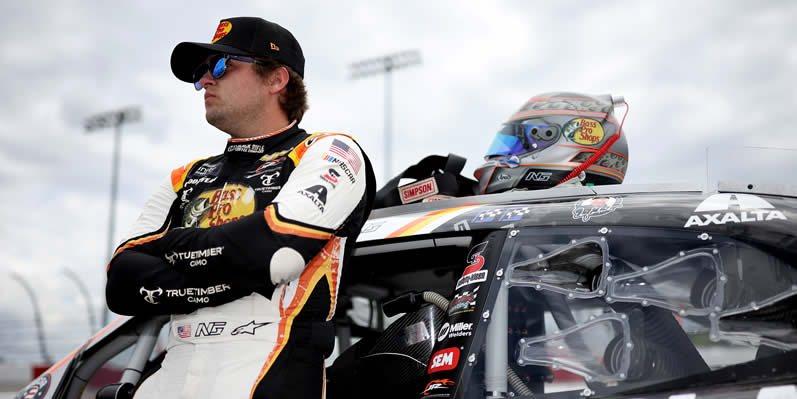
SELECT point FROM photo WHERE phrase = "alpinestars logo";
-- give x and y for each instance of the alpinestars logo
(150, 295)
(733, 208)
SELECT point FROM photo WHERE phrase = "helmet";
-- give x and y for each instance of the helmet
(551, 136)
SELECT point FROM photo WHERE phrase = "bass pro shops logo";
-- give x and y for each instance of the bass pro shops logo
(151, 295)
(733, 208)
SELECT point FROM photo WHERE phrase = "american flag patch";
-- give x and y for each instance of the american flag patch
(344, 151)
(184, 331)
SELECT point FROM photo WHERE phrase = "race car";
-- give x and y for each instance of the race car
(621, 291)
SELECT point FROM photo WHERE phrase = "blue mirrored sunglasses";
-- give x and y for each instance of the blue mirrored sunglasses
(217, 65)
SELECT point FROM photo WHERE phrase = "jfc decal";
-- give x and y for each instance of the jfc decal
(473, 273)
(584, 131)
(720, 209)
(446, 359)
(223, 29)
(596, 207)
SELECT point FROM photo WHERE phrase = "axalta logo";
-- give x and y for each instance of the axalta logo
(733, 208)
(419, 190)
(446, 359)
(224, 28)
(317, 194)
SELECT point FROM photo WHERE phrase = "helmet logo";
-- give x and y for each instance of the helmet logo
(223, 29)
(584, 131)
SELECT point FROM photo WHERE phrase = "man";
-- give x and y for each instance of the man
(244, 249)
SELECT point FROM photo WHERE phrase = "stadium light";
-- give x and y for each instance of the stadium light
(113, 119)
(386, 65)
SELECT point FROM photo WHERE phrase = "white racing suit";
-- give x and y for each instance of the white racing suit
(245, 251)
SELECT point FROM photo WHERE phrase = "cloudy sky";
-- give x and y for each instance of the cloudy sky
(716, 74)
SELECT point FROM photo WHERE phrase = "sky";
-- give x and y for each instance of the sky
(701, 78)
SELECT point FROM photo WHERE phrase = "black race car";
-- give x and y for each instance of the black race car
(614, 291)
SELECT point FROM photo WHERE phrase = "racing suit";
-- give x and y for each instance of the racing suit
(245, 251)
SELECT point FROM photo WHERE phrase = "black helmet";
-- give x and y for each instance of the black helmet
(551, 136)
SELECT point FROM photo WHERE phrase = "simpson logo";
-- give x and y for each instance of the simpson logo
(418, 190)
(733, 208)
(223, 29)
(446, 359)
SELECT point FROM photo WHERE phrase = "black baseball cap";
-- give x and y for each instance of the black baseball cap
(244, 36)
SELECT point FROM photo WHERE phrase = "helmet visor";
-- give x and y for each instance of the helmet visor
(518, 139)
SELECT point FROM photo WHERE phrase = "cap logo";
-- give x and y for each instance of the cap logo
(274, 47)
(223, 29)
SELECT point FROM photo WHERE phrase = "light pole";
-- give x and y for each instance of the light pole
(386, 64)
(83, 290)
(37, 316)
(113, 119)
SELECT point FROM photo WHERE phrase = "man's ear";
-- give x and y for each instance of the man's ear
(278, 80)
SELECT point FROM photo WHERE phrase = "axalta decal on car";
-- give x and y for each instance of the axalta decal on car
(733, 208)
